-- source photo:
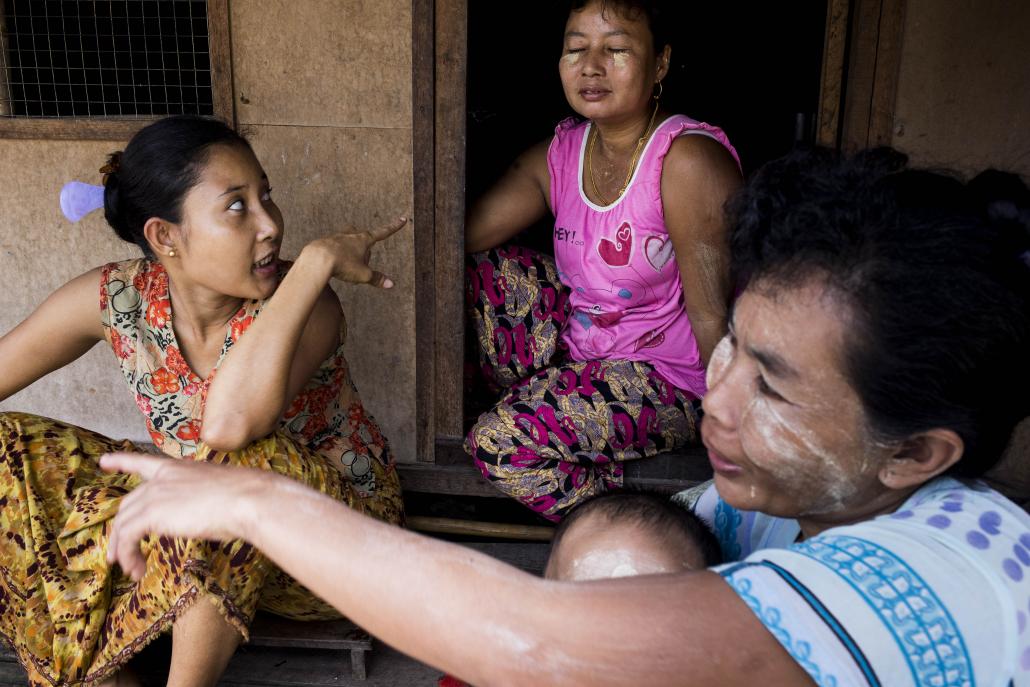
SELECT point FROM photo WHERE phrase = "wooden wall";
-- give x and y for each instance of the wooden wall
(39, 251)
(323, 90)
(963, 97)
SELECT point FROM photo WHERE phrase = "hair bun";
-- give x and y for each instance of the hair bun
(113, 164)
(113, 206)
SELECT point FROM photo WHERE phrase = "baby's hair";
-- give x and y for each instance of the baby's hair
(652, 511)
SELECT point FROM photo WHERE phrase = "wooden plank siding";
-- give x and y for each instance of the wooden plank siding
(873, 64)
(451, 69)
(423, 162)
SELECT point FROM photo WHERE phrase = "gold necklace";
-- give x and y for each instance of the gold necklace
(632, 162)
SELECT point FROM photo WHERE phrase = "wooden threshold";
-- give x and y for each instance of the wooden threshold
(478, 528)
(667, 473)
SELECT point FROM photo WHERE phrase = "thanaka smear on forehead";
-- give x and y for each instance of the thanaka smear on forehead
(602, 564)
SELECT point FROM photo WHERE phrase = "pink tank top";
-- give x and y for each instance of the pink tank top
(618, 262)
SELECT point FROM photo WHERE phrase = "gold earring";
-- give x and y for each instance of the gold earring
(659, 94)
(171, 253)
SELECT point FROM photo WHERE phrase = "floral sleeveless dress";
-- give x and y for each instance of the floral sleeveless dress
(70, 617)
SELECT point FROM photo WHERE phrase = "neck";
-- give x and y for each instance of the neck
(201, 312)
(622, 136)
(868, 508)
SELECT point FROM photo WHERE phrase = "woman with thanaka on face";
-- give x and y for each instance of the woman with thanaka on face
(877, 364)
(234, 357)
(603, 348)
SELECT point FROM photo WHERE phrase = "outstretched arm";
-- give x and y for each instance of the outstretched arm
(516, 201)
(61, 329)
(698, 176)
(453, 608)
(297, 330)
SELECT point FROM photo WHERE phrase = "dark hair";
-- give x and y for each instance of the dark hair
(939, 295)
(659, 513)
(159, 166)
(651, 10)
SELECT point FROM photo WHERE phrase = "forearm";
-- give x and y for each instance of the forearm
(495, 219)
(515, 202)
(243, 402)
(475, 617)
(451, 607)
(704, 274)
(24, 358)
(440, 602)
(708, 331)
(481, 235)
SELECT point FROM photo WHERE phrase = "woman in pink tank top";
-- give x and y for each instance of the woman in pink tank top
(603, 348)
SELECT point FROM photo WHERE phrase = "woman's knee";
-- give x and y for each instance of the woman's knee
(264, 453)
(502, 446)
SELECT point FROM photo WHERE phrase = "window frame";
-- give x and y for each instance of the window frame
(121, 128)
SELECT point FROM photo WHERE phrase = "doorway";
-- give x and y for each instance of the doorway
(753, 69)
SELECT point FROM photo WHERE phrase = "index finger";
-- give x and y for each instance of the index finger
(141, 464)
(387, 230)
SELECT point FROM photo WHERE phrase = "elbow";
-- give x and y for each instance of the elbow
(473, 245)
(476, 240)
(228, 434)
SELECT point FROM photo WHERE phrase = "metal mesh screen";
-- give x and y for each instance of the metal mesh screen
(104, 58)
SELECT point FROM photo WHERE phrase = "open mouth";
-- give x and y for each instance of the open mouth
(264, 262)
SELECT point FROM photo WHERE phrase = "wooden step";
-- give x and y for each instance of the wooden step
(338, 635)
(454, 474)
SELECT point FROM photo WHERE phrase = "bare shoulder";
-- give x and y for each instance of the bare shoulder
(88, 279)
(80, 296)
(697, 156)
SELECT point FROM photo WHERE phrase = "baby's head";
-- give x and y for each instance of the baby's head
(621, 533)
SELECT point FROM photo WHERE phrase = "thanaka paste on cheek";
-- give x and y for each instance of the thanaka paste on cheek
(621, 60)
(571, 58)
(798, 457)
(719, 361)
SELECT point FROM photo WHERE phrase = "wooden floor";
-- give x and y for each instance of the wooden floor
(300, 667)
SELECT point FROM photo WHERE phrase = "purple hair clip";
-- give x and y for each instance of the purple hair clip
(79, 199)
